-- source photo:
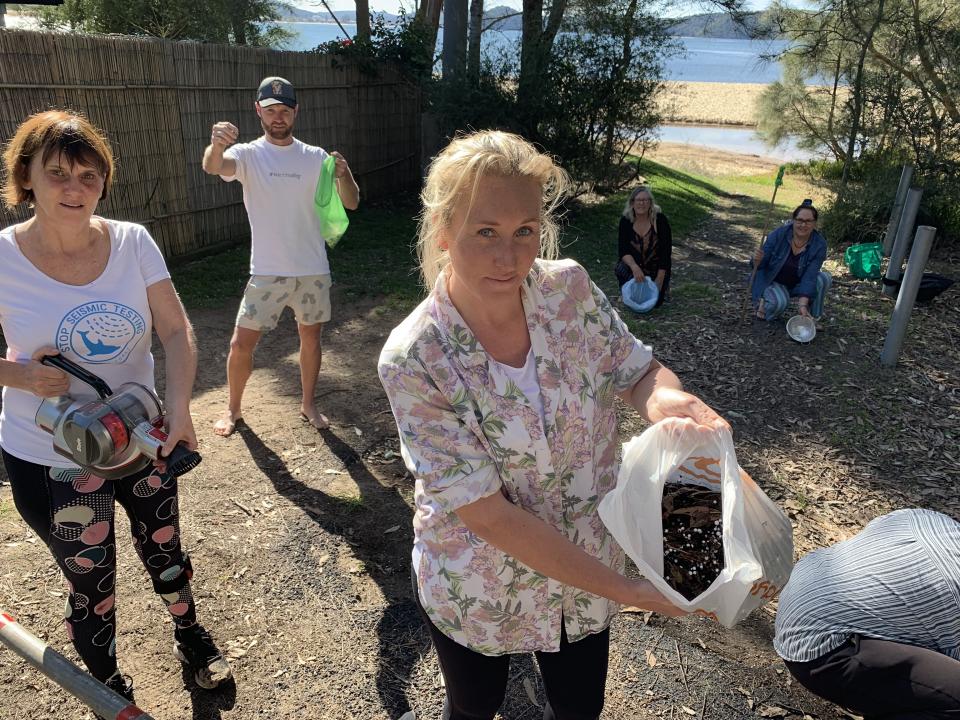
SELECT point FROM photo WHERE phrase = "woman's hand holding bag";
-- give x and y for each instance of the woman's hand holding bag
(757, 536)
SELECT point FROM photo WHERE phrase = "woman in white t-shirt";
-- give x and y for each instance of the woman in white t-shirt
(92, 290)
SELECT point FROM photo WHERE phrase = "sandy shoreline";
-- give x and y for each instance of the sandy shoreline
(711, 161)
(707, 103)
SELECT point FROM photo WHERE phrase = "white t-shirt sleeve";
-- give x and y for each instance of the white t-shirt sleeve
(153, 267)
(235, 153)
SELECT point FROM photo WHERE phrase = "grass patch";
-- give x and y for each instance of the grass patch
(350, 504)
(795, 190)
(590, 238)
(210, 281)
(377, 255)
(697, 291)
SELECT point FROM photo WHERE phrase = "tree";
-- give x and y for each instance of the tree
(454, 56)
(857, 89)
(859, 42)
(474, 40)
(241, 22)
(603, 80)
(584, 86)
(893, 72)
(536, 45)
(428, 19)
(363, 19)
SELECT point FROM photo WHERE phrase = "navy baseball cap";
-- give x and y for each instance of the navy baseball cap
(274, 90)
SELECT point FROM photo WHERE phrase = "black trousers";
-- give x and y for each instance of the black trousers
(72, 511)
(574, 678)
(883, 679)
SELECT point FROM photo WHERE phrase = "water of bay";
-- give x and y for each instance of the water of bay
(703, 60)
(744, 141)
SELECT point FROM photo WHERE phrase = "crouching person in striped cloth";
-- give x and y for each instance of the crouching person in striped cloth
(873, 623)
(789, 265)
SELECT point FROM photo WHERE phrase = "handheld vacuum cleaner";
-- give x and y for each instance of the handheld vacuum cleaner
(114, 436)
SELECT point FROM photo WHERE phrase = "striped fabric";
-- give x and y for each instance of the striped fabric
(897, 580)
(776, 297)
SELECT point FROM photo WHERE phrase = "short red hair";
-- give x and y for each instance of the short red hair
(54, 131)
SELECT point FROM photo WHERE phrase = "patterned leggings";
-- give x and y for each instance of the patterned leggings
(72, 511)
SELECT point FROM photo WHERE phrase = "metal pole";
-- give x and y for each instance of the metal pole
(104, 701)
(747, 299)
(897, 211)
(910, 209)
(908, 295)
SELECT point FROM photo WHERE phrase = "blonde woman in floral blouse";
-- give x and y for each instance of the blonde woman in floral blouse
(502, 383)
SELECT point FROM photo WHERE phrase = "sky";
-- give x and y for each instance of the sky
(393, 6)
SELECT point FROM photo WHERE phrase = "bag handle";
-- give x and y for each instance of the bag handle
(325, 182)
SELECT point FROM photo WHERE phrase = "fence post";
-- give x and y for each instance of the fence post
(910, 209)
(897, 211)
(908, 295)
(104, 701)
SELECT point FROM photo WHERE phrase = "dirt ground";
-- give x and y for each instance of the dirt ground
(300, 539)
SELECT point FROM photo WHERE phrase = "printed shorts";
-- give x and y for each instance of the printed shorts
(267, 295)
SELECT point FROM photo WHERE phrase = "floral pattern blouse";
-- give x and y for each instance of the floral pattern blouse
(467, 431)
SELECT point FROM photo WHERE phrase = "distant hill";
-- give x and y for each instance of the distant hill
(295, 14)
(503, 17)
(712, 25)
(490, 17)
(716, 25)
(491, 21)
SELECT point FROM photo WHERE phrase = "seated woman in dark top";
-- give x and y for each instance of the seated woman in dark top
(789, 265)
(645, 243)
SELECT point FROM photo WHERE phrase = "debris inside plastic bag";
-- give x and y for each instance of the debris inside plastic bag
(692, 538)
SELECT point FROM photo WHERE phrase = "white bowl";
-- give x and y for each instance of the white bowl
(801, 328)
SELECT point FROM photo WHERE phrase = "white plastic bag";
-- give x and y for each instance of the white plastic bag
(757, 536)
(640, 297)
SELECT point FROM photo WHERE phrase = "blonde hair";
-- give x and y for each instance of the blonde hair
(654, 208)
(464, 163)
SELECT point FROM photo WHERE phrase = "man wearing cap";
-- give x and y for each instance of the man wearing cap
(288, 259)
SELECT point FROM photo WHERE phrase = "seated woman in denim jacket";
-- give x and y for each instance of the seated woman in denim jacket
(789, 265)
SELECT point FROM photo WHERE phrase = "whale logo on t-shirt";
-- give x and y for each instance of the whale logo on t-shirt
(101, 331)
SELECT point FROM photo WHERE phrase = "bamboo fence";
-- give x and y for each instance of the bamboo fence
(157, 100)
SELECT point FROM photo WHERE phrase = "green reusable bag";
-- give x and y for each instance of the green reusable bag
(863, 260)
(327, 204)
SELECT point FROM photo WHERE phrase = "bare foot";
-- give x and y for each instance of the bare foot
(227, 423)
(310, 414)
